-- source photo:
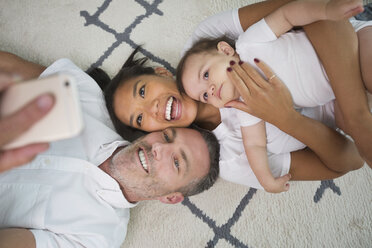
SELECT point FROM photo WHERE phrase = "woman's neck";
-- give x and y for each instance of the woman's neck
(208, 116)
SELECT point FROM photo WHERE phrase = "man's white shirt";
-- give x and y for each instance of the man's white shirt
(62, 196)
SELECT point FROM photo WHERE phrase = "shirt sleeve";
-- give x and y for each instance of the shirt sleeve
(257, 33)
(46, 239)
(223, 24)
(246, 119)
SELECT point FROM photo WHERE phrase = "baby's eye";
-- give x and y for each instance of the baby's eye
(205, 96)
(139, 120)
(141, 91)
(206, 75)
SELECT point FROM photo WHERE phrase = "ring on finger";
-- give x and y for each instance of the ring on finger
(272, 77)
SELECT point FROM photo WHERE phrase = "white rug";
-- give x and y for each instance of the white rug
(103, 33)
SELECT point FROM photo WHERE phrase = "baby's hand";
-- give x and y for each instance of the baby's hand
(343, 9)
(279, 184)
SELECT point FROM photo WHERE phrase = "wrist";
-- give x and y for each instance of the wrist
(268, 182)
(286, 118)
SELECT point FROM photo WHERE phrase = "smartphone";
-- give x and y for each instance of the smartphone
(63, 121)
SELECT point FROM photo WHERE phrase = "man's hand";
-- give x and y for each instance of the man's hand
(337, 10)
(269, 100)
(14, 125)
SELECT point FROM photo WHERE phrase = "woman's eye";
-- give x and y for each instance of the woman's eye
(176, 163)
(206, 75)
(205, 96)
(141, 91)
(139, 120)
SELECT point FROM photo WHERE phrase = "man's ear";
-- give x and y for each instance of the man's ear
(161, 71)
(225, 48)
(171, 198)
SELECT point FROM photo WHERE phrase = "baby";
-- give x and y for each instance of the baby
(201, 73)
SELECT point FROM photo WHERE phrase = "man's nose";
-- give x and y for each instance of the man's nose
(158, 150)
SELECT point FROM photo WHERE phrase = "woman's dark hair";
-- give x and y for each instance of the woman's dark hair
(131, 68)
(201, 46)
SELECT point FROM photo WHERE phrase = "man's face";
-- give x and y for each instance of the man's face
(160, 163)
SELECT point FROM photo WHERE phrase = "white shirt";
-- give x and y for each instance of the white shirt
(62, 197)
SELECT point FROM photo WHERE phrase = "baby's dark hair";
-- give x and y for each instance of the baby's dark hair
(131, 68)
(202, 46)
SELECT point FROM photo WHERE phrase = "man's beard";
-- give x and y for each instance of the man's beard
(148, 186)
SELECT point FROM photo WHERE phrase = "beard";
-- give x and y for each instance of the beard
(124, 168)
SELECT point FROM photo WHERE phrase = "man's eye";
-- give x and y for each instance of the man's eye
(139, 120)
(166, 137)
(141, 91)
(177, 164)
(205, 96)
(206, 75)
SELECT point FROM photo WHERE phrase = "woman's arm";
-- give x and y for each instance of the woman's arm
(341, 62)
(331, 155)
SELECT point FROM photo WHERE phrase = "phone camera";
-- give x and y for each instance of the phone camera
(67, 83)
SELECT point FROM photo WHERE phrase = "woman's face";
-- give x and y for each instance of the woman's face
(153, 103)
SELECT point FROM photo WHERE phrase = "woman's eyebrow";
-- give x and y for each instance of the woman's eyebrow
(135, 88)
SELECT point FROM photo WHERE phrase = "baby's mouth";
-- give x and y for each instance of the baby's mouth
(142, 158)
(173, 109)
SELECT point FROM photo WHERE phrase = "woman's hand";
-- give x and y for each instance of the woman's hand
(269, 99)
(14, 125)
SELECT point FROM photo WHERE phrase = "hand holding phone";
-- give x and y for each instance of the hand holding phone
(63, 121)
(14, 125)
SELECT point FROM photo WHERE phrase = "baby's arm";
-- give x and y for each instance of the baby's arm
(254, 140)
(303, 12)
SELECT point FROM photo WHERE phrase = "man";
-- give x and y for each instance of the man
(78, 193)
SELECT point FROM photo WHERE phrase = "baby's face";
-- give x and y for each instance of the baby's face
(205, 78)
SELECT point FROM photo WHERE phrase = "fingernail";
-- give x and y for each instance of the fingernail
(256, 60)
(45, 102)
(241, 62)
(232, 62)
(229, 69)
